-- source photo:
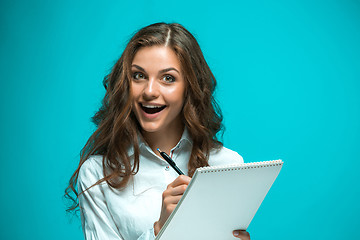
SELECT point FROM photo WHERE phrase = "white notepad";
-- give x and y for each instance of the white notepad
(219, 200)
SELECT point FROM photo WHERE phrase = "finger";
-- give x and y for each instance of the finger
(182, 179)
(175, 191)
(172, 200)
(178, 190)
(242, 234)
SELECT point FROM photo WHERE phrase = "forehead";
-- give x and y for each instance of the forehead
(156, 57)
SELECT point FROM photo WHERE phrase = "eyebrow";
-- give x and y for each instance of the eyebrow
(161, 71)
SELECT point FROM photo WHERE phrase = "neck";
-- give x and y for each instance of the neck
(165, 140)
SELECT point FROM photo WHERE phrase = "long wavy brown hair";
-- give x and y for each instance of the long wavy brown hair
(117, 127)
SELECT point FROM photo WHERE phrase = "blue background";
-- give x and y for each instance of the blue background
(288, 74)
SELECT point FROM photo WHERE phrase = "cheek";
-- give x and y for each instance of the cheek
(134, 96)
(176, 95)
(135, 91)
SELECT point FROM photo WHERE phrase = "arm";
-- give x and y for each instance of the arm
(97, 221)
(95, 218)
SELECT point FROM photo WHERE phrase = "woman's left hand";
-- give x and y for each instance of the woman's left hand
(242, 234)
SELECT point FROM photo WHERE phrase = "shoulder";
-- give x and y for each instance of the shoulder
(224, 156)
(91, 170)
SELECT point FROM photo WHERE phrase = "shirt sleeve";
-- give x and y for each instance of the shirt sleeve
(148, 235)
(97, 222)
(224, 156)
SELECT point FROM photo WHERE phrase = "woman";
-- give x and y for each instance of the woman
(158, 95)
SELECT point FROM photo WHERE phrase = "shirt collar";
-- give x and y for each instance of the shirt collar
(185, 138)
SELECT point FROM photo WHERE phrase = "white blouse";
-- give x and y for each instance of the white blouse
(107, 213)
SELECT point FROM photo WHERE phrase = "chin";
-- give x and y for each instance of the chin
(150, 129)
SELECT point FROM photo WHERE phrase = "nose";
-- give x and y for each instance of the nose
(151, 90)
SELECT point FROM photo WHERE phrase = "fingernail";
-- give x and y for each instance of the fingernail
(236, 233)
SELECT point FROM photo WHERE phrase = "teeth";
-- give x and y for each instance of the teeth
(151, 106)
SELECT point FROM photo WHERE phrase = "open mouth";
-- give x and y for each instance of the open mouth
(152, 109)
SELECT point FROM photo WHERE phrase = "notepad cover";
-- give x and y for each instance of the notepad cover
(219, 200)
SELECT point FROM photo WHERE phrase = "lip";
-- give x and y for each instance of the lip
(151, 104)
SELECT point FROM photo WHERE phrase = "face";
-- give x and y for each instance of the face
(158, 89)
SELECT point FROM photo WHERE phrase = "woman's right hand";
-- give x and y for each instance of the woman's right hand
(170, 198)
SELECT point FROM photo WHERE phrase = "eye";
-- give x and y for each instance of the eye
(168, 78)
(138, 76)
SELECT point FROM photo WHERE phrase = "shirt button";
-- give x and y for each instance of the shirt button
(167, 168)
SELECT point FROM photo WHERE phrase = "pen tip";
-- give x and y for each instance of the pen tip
(158, 150)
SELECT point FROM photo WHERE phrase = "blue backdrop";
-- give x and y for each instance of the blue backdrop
(288, 74)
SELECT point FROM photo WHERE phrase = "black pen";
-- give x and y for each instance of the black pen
(170, 161)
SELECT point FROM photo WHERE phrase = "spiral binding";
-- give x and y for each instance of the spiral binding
(241, 166)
